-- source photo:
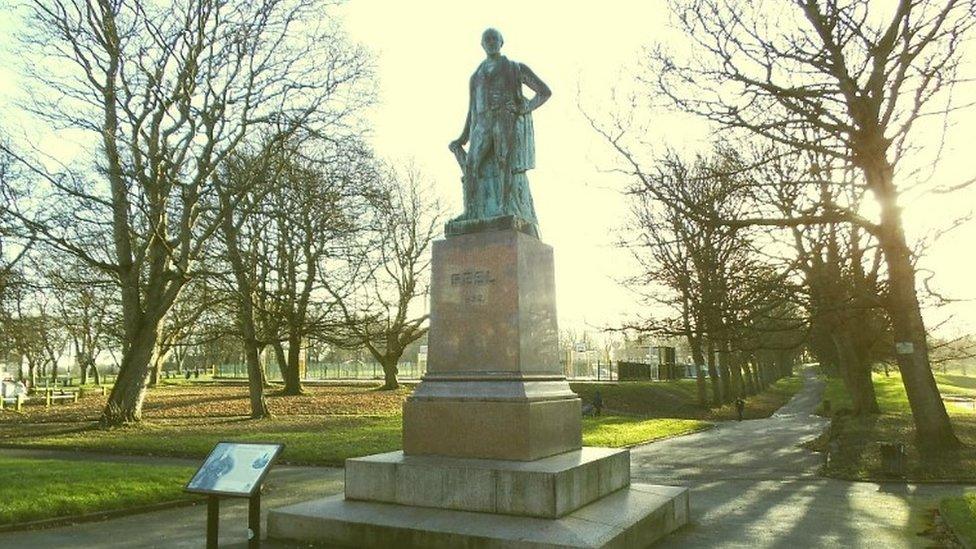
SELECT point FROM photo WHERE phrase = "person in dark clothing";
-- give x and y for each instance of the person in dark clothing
(597, 403)
(740, 407)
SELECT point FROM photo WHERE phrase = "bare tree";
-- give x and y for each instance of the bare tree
(242, 205)
(318, 213)
(87, 309)
(34, 330)
(299, 205)
(12, 248)
(181, 324)
(725, 297)
(839, 264)
(169, 90)
(847, 82)
(383, 317)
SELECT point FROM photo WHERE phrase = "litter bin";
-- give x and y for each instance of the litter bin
(893, 459)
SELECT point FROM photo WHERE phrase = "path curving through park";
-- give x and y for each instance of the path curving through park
(754, 486)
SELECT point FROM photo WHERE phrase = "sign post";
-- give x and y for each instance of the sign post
(213, 521)
(234, 469)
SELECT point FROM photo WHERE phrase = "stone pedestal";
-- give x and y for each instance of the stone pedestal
(494, 388)
(632, 517)
(549, 488)
(492, 452)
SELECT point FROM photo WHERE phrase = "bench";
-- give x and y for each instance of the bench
(48, 397)
(80, 391)
(17, 401)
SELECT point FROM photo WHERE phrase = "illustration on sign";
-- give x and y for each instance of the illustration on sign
(233, 468)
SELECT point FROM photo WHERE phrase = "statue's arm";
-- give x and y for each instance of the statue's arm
(466, 132)
(534, 83)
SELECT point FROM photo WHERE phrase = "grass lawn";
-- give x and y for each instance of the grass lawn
(622, 431)
(326, 425)
(679, 399)
(960, 514)
(313, 440)
(36, 489)
(858, 456)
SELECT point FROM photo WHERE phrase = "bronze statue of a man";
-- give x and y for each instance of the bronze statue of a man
(502, 145)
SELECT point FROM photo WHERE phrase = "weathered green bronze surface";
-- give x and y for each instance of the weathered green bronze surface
(501, 144)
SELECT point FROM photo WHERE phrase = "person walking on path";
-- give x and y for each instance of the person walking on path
(740, 407)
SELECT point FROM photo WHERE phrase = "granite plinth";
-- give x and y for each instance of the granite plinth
(548, 488)
(632, 517)
(460, 226)
(494, 388)
(493, 306)
(492, 429)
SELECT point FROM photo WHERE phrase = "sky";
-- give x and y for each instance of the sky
(425, 51)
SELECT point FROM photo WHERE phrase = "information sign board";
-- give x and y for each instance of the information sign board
(234, 469)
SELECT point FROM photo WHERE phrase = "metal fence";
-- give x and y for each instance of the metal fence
(582, 371)
(316, 371)
(590, 371)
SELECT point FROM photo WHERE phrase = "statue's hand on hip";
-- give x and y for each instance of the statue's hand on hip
(456, 147)
(517, 108)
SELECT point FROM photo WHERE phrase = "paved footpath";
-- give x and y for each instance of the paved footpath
(181, 527)
(752, 486)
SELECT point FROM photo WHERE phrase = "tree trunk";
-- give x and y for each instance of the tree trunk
(696, 354)
(390, 372)
(264, 369)
(96, 377)
(857, 377)
(280, 359)
(750, 382)
(255, 377)
(125, 401)
(245, 321)
(728, 392)
(717, 396)
(159, 358)
(292, 374)
(178, 358)
(932, 426)
(702, 386)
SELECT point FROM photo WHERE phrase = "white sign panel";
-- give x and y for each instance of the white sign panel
(234, 468)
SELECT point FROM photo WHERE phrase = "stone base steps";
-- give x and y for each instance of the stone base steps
(635, 516)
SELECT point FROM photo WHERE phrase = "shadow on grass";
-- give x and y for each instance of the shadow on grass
(966, 382)
(170, 404)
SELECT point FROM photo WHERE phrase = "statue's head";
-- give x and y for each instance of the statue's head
(491, 41)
